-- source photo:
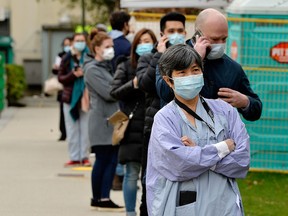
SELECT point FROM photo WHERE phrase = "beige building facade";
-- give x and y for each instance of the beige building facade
(27, 17)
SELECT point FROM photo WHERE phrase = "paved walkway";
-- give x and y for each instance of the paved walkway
(33, 181)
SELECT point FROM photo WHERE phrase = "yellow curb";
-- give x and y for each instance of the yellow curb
(82, 168)
(268, 171)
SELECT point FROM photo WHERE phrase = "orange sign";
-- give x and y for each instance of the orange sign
(280, 52)
(234, 50)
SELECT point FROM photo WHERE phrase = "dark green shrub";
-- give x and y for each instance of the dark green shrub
(16, 83)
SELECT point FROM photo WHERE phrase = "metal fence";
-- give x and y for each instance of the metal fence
(261, 47)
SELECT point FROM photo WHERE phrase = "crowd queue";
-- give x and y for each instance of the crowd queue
(185, 139)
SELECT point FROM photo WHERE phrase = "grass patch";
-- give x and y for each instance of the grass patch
(264, 193)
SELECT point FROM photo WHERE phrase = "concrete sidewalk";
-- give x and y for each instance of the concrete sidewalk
(33, 181)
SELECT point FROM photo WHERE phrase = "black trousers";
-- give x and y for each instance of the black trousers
(62, 127)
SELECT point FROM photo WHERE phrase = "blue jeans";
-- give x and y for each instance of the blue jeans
(103, 170)
(131, 175)
(77, 134)
(120, 170)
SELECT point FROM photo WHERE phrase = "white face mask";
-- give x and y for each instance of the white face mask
(217, 51)
(108, 53)
(130, 37)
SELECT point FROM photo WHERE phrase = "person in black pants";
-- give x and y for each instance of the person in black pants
(119, 21)
(132, 100)
(65, 48)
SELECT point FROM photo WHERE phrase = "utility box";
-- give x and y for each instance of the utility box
(52, 37)
(2, 81)
(33, 68)
(258, 40)
(6, 46)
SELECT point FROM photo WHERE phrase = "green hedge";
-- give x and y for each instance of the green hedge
(16, 82)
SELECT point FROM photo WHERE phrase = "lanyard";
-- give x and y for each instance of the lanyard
(191, 112)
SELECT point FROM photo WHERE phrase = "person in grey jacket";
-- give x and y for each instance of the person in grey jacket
(98, 76)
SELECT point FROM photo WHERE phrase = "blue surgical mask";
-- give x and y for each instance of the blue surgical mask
(188, 87)
(217, 51)
(176, 38)
(66, 49)
(144, 48)
(80, 46)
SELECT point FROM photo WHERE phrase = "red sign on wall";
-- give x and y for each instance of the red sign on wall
(280, 52)
(234, 50)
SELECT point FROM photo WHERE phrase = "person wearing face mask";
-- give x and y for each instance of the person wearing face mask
(198, 147)
(98, 77)
(66, 43)
(132, 99)
(119, 21)
(172, 26)
(71, 76)
(66, 46)
(223, 77)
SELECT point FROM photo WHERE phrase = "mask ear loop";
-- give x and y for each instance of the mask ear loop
(171, 80)
(168, 82)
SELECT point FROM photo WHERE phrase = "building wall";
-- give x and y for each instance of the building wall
(27, 18)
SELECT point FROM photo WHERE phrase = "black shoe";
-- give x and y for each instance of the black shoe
(109, 205)
(94, 203)
(62, 138)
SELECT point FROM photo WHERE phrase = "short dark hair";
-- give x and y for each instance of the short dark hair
(172, 16)
(118, 19)
(66, 38)
(178, 57)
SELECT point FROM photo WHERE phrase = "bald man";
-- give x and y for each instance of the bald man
(224, 78)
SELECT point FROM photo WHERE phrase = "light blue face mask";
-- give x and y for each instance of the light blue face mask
(80, 46)
(176, 38)
(188, 87)
(66, 49)
(144, 48)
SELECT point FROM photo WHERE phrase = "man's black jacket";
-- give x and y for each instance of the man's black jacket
(220, 73)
